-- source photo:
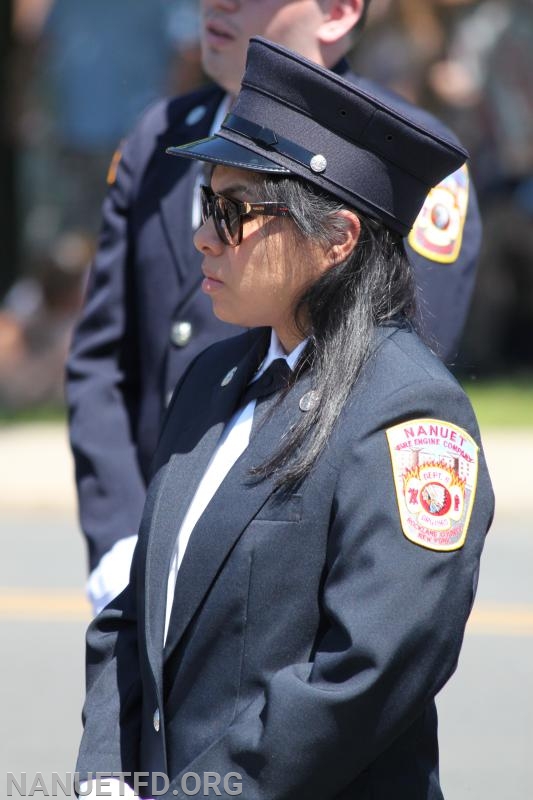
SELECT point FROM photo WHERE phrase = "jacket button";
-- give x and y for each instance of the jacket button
(157, 720)
(180, 333)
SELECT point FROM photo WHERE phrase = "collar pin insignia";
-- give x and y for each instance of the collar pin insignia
(195, 115)
(228, 377)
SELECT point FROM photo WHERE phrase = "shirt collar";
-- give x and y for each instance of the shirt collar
(222, 110)
(275, 350)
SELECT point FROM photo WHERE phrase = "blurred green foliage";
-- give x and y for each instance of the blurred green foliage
(505, 403)
(41, 414)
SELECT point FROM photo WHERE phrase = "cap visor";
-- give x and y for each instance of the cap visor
(217, 150)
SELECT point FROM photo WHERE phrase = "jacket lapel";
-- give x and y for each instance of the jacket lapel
(238, 499)
(173, 490)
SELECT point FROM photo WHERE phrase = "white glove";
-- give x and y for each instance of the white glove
(111, 575)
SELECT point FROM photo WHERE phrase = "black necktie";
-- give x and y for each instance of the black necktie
(274, 379)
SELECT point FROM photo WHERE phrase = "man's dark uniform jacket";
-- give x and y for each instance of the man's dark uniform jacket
(308, 634)
(145, 317)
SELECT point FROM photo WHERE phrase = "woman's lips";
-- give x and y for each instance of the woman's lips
(210, 285)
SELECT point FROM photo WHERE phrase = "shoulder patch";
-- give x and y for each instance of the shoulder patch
(113, 167)
(434, 464)
(438, 230)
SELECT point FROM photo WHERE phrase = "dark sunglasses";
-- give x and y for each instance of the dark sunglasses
(228, 214)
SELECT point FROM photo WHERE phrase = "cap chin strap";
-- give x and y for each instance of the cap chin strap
(265, 137)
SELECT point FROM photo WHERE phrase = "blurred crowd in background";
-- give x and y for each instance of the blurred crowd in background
(75, 75)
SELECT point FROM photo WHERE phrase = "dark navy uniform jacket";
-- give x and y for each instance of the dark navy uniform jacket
(309, 635)
(145, 317)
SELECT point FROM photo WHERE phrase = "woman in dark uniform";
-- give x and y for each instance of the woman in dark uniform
(309, 551)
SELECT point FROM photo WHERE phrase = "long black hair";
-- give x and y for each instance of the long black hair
(338, 313)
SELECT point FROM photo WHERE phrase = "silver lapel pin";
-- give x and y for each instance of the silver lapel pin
(195, 115)
(309, 400)
(228, 377)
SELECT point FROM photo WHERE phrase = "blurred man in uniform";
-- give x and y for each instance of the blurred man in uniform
(145, 318)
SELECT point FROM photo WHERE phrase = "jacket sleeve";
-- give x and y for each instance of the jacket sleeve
(394, 616)
(102, 370)
(112, 709)
(444, 291)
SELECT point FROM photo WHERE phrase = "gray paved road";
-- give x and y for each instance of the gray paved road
(43, 619)
(486, 710)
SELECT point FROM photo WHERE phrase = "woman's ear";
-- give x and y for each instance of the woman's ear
(349, 229)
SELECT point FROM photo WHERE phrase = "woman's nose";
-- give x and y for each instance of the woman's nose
(206, 239)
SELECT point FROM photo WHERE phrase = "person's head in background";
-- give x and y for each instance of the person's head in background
(320, 30)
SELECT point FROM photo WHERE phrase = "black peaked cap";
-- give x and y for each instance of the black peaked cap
(292, 116)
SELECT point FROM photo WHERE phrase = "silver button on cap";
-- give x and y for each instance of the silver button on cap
(157, 720)
(318, 163)
(180, 333)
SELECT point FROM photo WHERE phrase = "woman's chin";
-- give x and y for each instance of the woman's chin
(224, 314)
